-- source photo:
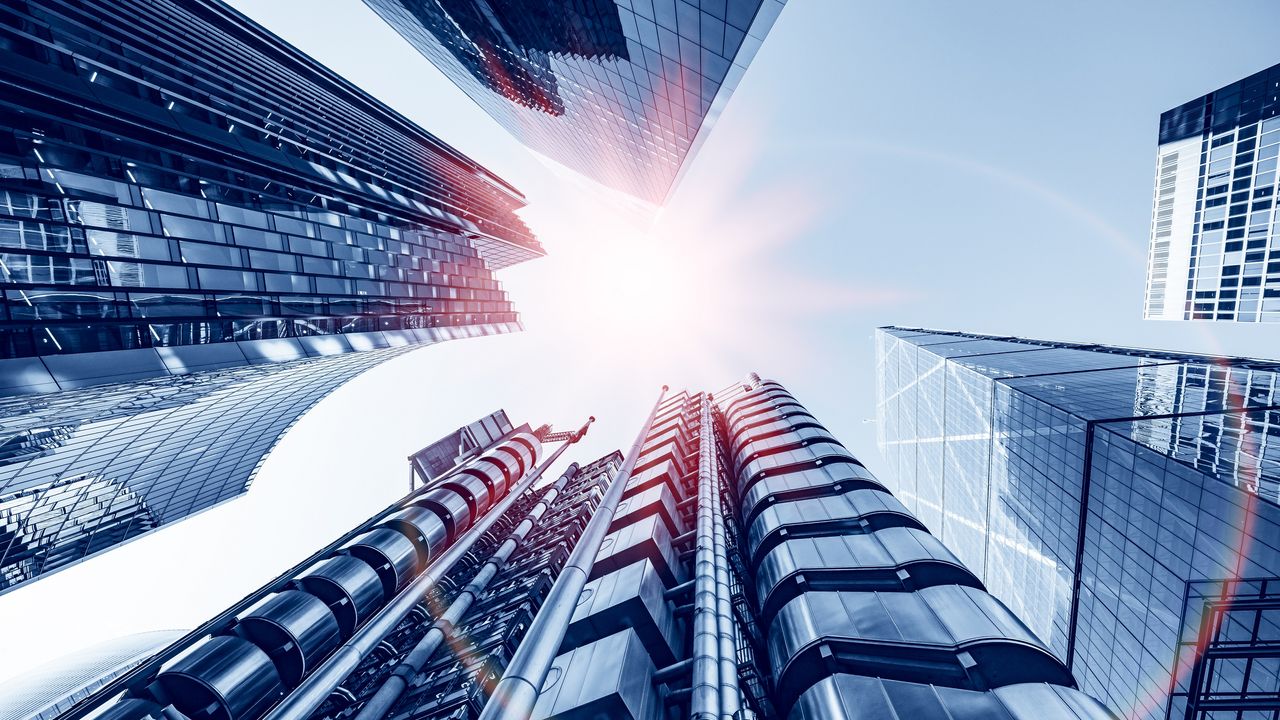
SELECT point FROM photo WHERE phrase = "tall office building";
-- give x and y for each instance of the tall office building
(485, 612)
(1215, 235)
(202, 233)
(622, 92)
(45, 692)
(1123, 502)
(737, 562)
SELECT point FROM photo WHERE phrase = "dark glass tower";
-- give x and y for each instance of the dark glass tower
(202, 233)
(1122, 501)
(623, 92)
(738, 563)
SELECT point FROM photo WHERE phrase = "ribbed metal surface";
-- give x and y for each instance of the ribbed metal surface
(852, 585)
(292, 639)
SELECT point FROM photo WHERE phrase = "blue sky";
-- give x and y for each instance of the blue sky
(983, 166)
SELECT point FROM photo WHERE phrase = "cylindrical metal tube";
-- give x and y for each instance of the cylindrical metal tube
(394, 686)
(313, 690)
(730, 693)
(517, 691)
(704, 699)
(144, 674)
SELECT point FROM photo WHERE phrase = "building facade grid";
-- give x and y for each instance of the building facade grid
(622, 91)
(1114, 483)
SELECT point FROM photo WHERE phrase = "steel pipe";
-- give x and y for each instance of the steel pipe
(704, 699)
(672, 672)
(313, 690)
(730, 693)
(517, 692)
(394, 686)
(137, 678)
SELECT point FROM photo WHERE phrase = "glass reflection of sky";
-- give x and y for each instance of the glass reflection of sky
(1219, 416)
(620, 90)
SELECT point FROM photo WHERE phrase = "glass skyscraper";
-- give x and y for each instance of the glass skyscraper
(738, 562)
(623, 91)
(202, 233)
(1215, 234)
(45, 692)
(1114, 498)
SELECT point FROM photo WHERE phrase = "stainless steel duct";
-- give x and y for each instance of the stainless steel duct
(730, 693)
(704, 699)
(517, 691)
(394, 686)
(313, 690)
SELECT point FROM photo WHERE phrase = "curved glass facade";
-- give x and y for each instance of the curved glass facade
(47, 691)
(202, 233)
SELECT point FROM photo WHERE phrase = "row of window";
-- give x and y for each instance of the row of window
(178, 77)
(98, 337)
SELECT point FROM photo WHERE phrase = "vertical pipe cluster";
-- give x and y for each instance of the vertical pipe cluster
(386, 696)
(715, 691)
(704, 700)
(284, 650)
(301, 703)
(516, 693)
(730, 693)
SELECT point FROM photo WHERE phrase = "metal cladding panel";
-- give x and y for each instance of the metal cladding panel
(391, 554)
(513, 460)
(856, 697)
(500, 467)
(274, 350)
(771, 421)
(944, 616)
(835, 515)
(771, 393)
(1045, 701)
(810, 482)
(890, 559)
(948, 635)
(791, 439)
(94, 368)
(664, 473)
(223, 678)
(529, 448)
(349, 586)
(295, 628)
(646, 538)
(424, 527)
(490, 473)
(817, 454)
(25, 376)
(610, 678)
(667, 451)
(630, 597)
(473, 490)
(657, 500)
(452, 508)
